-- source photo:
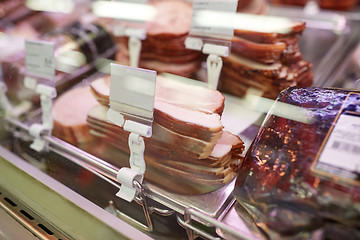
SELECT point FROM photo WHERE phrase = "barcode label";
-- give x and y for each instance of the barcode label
(340, 156)
(343, 146)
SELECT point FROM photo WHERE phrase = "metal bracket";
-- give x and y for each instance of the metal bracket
(141, 200)
(194, 232)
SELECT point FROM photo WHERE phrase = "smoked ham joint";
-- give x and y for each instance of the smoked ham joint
(180, 119)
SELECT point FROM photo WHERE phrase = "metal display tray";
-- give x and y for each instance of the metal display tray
(330, 33)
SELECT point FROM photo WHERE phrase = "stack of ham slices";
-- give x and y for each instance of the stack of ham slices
(326, 4)
(164, 49)
(252, 6)
(269, 62)
(188, 144)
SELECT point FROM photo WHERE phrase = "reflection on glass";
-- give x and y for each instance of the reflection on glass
(255, 23)
(253, 100)
(63, 6)
(124, 11)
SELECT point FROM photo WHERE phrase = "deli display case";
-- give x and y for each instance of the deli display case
(120, 133)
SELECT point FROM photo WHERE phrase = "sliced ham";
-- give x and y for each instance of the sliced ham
(172, 92)
(296, 28)
(261, 52)
(188, 146)
(267, 61)
(173, 18)
(164, 49)
(69, 113)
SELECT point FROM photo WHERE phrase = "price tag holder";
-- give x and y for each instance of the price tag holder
(40, 59)
(40, 67)
(211, 31)
(132, 96)
(132, 11)
(133, 15)
(208, 18)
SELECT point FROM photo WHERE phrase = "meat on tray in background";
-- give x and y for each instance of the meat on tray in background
(343, 5)
(164, 48)
(252, 6)
(72, 41)
(300, 177)
(267, 61)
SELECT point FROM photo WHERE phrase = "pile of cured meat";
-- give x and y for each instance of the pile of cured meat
(252, 6)
(71, 38)
(285, 187)
(326, 4)
(164, 49)
(188, 144)
(269, 62)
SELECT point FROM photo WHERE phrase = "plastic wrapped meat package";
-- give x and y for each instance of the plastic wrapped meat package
(300, 177)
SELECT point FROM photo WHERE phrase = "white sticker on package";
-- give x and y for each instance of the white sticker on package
(213, 18)
(341, 154)
(40, 59)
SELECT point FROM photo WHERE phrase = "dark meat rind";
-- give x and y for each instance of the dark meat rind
(276, 184)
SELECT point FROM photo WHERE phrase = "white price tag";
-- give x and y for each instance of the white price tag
(40, 59)
(213, 18)
(132, 91)
(342, 150)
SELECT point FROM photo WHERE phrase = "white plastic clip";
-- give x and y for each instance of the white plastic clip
(311, 8)
(194, 43)
(134, 46)
(137, 163)
(214, 62)
(4, 101)
(357, 84)
(214, 65)
(38, 130)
